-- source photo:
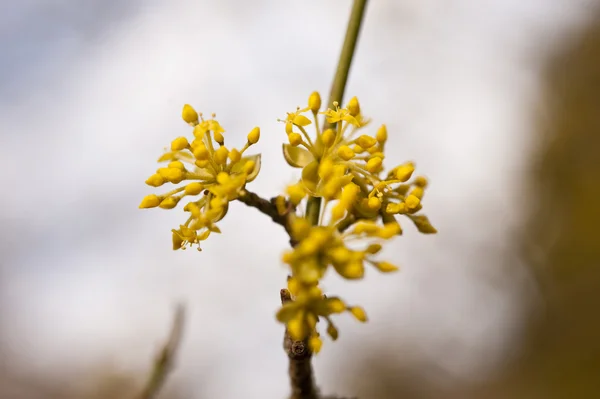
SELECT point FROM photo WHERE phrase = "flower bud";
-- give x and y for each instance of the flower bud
(235, 155)
(358, 313)
(189, 114)
(150, 201)
(169, 202)
(219, 137)
(221, 155)
(194, 188)
(295, 139)
(353, 106)
(382, 134)
(404, 172)
(328, 137)
(366, 141)
(254, 135)
(345, 153)
(179, 144)
(314, 102)
(155, 180)
(374, 164)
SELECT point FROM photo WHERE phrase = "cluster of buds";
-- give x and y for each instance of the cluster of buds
(359, 205)
(214, 176)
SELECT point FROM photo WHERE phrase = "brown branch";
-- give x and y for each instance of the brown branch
(299, 355)
(165, 359)
(268, 207)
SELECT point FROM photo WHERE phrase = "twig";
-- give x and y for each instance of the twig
(268, 208)
(300, 369)
(165, 359)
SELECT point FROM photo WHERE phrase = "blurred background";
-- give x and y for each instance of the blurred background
(497, 101)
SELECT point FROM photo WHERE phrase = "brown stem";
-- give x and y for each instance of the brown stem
(300, 368)
(164, 361)
(268, 208)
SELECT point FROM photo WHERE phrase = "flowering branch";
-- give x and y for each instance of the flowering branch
(350, 199)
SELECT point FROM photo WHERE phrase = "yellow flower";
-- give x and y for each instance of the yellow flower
(215, 176)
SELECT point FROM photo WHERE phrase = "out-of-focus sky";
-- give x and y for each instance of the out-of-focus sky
(91, 92)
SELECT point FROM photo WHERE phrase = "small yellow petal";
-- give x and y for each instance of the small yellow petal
(301, 120)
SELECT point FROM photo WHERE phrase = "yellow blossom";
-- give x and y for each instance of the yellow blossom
(214, 176)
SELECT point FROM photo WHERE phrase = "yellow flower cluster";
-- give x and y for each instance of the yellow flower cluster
(342, 174)
(344, 168)
(215, 175)
(341, 154)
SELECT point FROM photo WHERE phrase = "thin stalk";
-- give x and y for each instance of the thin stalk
(338, 87)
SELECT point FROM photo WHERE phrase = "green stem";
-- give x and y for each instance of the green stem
(341, 74)
(313, 206)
